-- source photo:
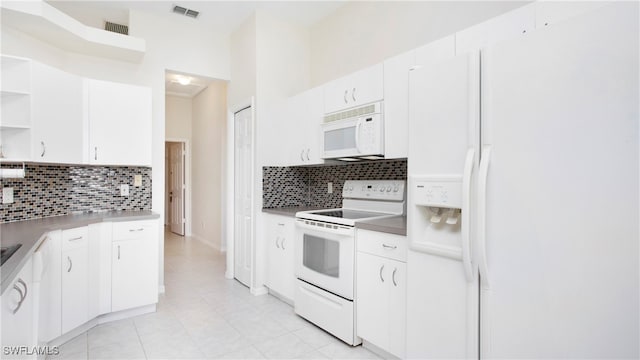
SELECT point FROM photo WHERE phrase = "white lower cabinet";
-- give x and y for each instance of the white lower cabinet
(75, 278)
(47, 274)
(280, 236)
(134, 264)
(18, 314)
(381, 297)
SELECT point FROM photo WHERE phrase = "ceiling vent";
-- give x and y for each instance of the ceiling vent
(186, 12)
(116, 28)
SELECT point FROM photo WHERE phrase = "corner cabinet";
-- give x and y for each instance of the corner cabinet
(280, 237)
(134, 264)
(119, 123)
(18, 314)
(381, 290)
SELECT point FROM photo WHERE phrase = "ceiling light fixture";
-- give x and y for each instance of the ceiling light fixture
(183, 80)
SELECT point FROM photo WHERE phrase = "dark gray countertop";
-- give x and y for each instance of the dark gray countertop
(30, 233)
(392, 225)
(289, 211)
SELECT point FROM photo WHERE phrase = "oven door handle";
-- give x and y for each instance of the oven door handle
(338, 230)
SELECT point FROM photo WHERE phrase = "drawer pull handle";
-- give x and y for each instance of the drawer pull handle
(381, 268)
(136, 230)
(389, 246)
(70, 264)
(76, 238)
(393, 277)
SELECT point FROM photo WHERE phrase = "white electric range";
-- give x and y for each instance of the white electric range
(325, 253)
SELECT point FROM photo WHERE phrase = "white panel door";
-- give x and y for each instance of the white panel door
(560, 144)
(176, 187)
(243, 181)
(442, 298)
(59, 123)
(119, 123)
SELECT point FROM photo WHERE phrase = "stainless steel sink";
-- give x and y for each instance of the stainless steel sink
(6, 252)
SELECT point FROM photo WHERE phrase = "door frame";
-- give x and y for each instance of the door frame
(187, 181)
(229, 213)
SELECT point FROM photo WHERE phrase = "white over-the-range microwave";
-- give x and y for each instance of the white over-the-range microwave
(354, 134)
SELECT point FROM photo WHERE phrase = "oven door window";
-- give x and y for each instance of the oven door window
(321, 255)
(340, 139)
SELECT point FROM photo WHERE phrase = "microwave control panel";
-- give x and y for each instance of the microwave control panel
(374, 189)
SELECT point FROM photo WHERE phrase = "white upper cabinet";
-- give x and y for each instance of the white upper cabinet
(362, 87)
(506, 26)
(58, 133)
(15, 123)
(119, 123)
(396, 104)
(552, 12)
(304, 121)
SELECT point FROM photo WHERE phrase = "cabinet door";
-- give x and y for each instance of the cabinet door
(49, 305)
(287, 229)
(397, 312)
(59, 125)
(367, 85)
(396, 104)
(134, 273)
(75, 287)
(356, 89)
(119, 124)
(552, 12)
(280, 238)
(312, 129)
(372, 299)
(17, 313)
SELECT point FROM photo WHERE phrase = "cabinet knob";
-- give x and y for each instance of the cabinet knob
(345, 96)
(393, 277)
(23, 294)
(277, 245)
(381, 278)
(302, 155)
(353, 94)
(44, 149)
(282, 243)
(308, 158)
(95, 156)
(70, 264)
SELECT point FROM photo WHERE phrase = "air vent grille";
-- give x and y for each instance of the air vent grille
(116, 28)
(369, 109)
(184, 11)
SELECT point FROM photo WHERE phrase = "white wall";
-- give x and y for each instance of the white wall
(178, 115)
(173, 43)
(243, 62)
(363, 33)
(208, 165)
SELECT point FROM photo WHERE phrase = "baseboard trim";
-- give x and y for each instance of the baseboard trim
(260, 290)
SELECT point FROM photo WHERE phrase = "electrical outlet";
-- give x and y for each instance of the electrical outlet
(329, 188)
(124, 190)
(7, 195)
(137, 180)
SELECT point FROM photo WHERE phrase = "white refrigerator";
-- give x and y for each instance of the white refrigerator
(523, 208)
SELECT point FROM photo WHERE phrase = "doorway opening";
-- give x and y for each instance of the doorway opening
(176, 188)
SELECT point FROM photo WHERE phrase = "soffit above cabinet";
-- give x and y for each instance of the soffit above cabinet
(49, 24)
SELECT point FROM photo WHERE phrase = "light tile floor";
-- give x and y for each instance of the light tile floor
(202, 315)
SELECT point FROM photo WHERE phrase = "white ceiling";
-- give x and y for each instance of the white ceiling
(196, 85)
(223, 16)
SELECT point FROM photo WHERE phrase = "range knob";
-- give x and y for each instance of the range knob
(350, 188)
(395, 188)
(388, 188)
(381, 188)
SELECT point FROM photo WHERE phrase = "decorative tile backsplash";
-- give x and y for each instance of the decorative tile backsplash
(51, 190)
(307, 186)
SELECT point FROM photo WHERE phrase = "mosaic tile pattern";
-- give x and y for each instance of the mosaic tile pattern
(307, 186)
(52, 190)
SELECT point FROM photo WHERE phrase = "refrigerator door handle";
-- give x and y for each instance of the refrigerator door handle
(465, 223)
(482, 216)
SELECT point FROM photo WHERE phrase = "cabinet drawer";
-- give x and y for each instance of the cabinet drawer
(128, 230)
(390, 246)
(75, 238)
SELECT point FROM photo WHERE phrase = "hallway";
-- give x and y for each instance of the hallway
(204, 315)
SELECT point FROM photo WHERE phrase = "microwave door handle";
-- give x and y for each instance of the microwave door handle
(358, 124)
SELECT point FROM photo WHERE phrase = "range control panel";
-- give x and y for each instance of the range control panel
(392, 190)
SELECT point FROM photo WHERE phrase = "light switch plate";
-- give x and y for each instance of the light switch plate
(7, 195)
(124, 190)
(137, 180)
